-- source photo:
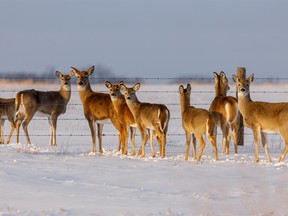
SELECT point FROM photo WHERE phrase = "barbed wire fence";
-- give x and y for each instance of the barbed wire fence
(74, 114)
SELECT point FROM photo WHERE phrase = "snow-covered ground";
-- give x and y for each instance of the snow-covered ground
(39, 179)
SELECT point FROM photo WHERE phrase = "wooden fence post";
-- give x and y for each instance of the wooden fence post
(241, 73)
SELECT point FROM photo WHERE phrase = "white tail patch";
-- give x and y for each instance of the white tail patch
(21, 106)
(227, 109)
(166, 120)
(159, 112)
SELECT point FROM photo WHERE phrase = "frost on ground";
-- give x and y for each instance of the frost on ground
(67, 179)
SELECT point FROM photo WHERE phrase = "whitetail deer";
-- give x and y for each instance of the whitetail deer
(225, 111)
(262, 117)
(198, 122)
(154, 117)
(124, 114)
(98, 108)
(46, 103)
(7, 112)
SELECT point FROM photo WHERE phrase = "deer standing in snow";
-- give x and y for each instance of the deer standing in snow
(124, 114)
(198, 122)
(7, 112)
(225, 111)
(262, 117)
(154, 117)
(98, 108)
(47, 103)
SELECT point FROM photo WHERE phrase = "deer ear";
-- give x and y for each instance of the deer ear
(235, 78)
(108, 84)
(216, 76)
(58, 74)
(189, 87)
(222, 74)
(123, 87)
(90, 70)
(75, 70)
(136, 87)
(251, 78)
(72, 73)
(121, 83)
(181, 88)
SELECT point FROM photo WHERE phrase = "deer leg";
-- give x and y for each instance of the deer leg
(18, 123)
(202, 146)
(194, 146)
(234, 128)
(151, 142)
(213, 143)
(92, 130)
(163, 144)
(226, 138)
(119, 143)
(188, 141)
(124, 139)
(25, 128)
(144, 138)
(2, 131)
(284, 152)
(132, 137)
(256, 143)
(265, 145)
(54, 126)
(285, 149)
(99, 134)
(51, 130)
(12, 128)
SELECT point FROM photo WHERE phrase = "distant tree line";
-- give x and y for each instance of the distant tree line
(100, 75)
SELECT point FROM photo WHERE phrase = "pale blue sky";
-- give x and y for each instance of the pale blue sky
(146, 38)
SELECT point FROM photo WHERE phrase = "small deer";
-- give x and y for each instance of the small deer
(196, 121)
(225, 111)
(47, 103)
(262, 117)
(98, 108)
(124, 114)
(154, 117)
(7, 112)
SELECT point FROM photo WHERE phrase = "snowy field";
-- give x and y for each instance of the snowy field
(38, 179)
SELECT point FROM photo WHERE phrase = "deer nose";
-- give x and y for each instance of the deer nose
(242, 89)
(65, 83)
(113, 94)
(80, 83)
(129, 98)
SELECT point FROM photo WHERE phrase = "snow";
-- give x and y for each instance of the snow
(39, 179)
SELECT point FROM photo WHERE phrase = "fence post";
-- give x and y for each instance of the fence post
(241, 73)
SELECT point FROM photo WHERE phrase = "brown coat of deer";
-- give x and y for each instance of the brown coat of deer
(225, 111)
(7, 112)
(50, 103)
(98, 108)
(262, 117)
(124, 114)
(196, 121)
(154, 117)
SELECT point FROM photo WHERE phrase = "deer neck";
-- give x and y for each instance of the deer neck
(118, 102)
(243, 101)
(85, 93)
(134, 107)
(65, 93)
(184, 103)
(220, 90)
